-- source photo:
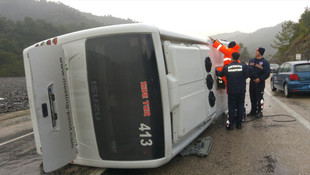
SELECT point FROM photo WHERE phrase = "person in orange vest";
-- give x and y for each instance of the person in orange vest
(227, 51)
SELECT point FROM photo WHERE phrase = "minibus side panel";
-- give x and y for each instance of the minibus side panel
(186, 77)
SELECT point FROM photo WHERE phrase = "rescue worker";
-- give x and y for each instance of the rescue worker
(227, 51)
(236, 74)
(261, 71)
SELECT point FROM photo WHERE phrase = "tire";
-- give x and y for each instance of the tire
(272, 86)
(287, 92)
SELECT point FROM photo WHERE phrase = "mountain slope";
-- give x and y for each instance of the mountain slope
(261, 38)
(25, 22)
(54, 13)
(299, 46)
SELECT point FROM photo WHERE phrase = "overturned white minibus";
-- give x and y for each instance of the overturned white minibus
(124, 96)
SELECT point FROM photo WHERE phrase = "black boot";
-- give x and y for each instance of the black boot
(251, 114)
(239, 126)
(259, 115)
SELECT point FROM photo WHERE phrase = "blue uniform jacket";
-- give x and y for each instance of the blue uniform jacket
(261, 70)
(236, 75)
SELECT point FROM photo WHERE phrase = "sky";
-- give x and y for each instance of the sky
(198, 17)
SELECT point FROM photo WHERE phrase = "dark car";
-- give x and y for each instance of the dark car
(292, 77)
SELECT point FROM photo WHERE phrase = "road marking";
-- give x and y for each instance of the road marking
(7, 142)
(291, 111)
(98, 171)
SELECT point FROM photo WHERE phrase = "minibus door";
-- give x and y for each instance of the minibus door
(52, 106)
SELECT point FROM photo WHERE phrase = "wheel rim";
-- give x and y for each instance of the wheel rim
(285, 90)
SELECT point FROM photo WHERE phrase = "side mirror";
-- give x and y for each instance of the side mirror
(273, 70)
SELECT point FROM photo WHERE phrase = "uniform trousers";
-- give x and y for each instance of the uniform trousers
(236, 101)
(256, 95)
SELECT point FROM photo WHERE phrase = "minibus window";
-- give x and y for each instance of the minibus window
(125, 97)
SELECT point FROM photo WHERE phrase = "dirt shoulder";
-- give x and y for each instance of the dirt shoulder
(14, 124)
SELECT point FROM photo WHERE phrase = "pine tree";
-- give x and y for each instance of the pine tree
(244, 53)
(284, 38)
(304, 22)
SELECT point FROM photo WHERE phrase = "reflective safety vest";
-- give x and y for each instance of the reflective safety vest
(226, 51)
(227, 55)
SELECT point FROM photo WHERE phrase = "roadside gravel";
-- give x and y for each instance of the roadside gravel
(13, 94)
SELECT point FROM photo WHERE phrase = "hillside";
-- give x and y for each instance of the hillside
(293, 39)
(54, 13)
(299, 46)
(261, 38)
(25, 22)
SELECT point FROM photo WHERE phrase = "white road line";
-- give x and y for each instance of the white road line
(291, 111)
(4, 143)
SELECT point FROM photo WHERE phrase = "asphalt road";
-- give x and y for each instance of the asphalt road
(270, 145)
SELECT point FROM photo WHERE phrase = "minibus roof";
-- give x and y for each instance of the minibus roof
(120, 29)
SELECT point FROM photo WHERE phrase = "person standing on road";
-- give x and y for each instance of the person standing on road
(227, 51)
(236, 74)
(261, 71)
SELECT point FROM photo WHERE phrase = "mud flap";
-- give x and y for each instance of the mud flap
(200, 147)
(52, 106)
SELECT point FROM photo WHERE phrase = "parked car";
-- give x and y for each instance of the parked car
(292, 77)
